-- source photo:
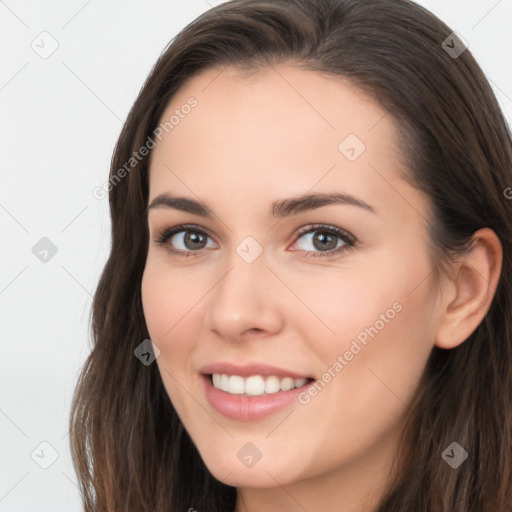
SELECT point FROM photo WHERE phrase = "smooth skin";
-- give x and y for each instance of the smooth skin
(250, 141)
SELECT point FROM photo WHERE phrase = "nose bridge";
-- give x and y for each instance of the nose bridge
(246, 267)
(242, 300)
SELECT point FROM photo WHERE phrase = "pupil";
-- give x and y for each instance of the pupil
(323, 238)
(194, 238)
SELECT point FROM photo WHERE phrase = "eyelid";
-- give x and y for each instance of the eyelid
(342, 233)
(350, 241)
(164, 235)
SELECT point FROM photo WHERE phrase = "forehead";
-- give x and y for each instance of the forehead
(279, 129)
(297, 99)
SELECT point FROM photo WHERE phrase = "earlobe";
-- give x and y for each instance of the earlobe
(474, 286)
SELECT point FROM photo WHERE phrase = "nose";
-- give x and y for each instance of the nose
(245, 302)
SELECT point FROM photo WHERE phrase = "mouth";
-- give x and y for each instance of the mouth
(253, 397)
(255, 385)
(251, 391)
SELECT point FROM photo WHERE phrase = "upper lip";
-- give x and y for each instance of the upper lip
(247, 370)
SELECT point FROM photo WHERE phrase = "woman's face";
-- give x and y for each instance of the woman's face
(257, 288)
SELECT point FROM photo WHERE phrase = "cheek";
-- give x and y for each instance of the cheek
(167, 309)
(337, 305)
(374, 330)
(165, 305)
(158, 305)
(371, 367)
(166, 300)
(384, 346)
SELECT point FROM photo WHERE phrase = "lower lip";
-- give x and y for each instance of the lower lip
(248, 408)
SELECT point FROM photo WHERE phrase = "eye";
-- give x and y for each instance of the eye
(184, 240)
(327, 240)
(190, 240)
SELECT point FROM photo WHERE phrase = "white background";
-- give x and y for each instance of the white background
(60, 119)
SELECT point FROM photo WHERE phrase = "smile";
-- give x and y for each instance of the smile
(255, 385)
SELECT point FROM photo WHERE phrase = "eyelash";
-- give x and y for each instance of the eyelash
(349, 240)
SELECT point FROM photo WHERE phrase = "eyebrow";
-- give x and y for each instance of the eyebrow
(280, 208)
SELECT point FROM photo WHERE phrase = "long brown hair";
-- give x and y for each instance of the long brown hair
(129, 448)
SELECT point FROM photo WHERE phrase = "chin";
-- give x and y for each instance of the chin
(233, 466)
(255, 477)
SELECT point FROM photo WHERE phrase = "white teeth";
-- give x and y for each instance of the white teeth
(236, 385)
(272, 385)
(255, 385)
(300, 382)
(224, 382)
(287, 383)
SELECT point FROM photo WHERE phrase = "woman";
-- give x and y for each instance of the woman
(310, 223)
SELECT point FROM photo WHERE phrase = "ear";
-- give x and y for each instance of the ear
(470, 292)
